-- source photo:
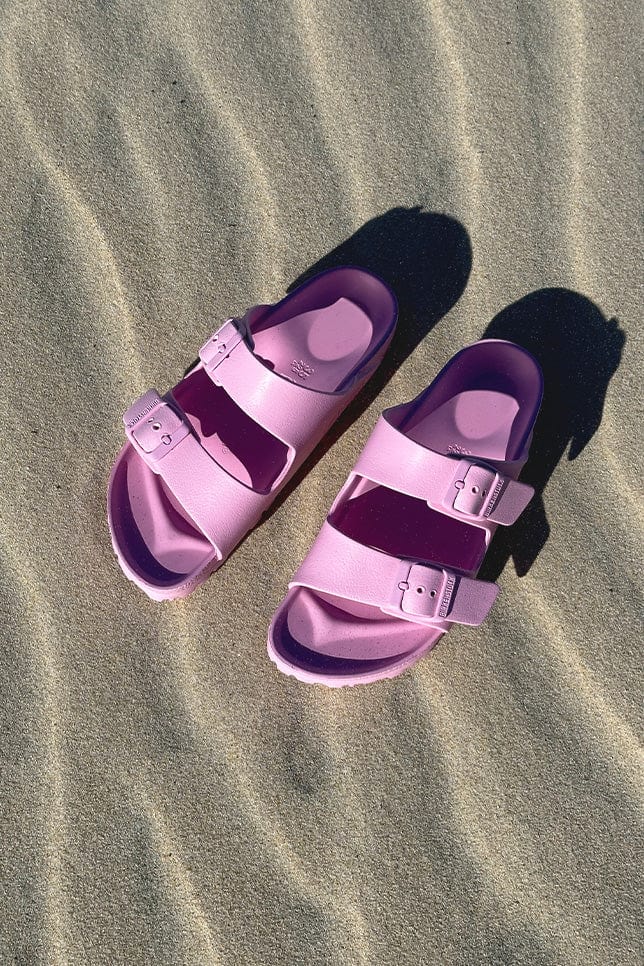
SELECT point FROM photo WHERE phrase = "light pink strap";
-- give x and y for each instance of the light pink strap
(416, 592)
(220, 506)
(293, 413)
(455, 486)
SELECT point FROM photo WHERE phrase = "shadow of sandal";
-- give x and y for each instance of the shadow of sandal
(579, 351)
(426, 258)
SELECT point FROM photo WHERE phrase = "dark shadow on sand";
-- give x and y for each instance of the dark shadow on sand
(579, 351)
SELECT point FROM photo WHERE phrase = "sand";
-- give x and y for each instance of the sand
(166, 795)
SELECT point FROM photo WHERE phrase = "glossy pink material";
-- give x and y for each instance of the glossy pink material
(394, 565)
(204, 462)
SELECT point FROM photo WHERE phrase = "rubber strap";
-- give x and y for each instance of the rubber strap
(218, 504)
(417, 592)
(293, 413)
(452, 485)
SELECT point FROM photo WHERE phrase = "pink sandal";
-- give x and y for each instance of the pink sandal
(394, 565)
(204, 462)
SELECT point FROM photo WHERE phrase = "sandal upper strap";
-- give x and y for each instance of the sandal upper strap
(412, 590)
(292, 412)
(467, 489)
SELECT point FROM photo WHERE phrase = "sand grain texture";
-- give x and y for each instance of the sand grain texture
(166, 795)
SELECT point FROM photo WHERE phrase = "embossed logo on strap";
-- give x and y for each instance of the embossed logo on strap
(494, 497)
(144, 405)
(446, 598)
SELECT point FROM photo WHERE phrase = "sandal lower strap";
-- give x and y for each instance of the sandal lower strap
(218, 504)
(419, 592)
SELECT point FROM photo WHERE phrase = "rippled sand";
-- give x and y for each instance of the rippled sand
(167, 796)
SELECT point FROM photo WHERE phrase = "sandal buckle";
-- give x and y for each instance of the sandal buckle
(422, 591)
(221, 343)
(477, 489)
(154, 427)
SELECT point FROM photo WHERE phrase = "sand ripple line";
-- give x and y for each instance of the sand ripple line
(462, 109)
(590, 700)
(321, 82)
(82, 222)
(244, 158)
(243, 780)
(178, 883)
(631, 492)
(504, 869)
(348, 801)
(41, 632)
(573, 46)
(241, 777)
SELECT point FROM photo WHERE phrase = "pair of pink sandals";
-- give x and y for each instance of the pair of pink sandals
(394, 565)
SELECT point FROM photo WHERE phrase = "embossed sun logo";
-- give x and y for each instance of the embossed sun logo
(301, 368)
